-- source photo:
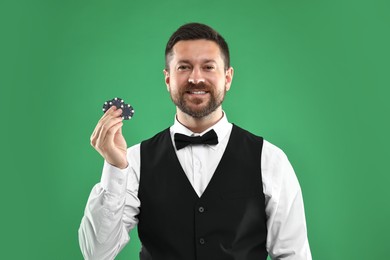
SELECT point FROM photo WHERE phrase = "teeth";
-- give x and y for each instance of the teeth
(198, 92)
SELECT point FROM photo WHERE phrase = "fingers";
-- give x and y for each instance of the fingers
(110, 118)
(108, 113)
(108, 130)
(108, 140)
(111, 113)
(112, 131)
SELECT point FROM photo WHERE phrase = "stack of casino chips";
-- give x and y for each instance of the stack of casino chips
(127, 110)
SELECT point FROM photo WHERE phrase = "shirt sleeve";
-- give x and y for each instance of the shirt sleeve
(286, 223)
(111, 210)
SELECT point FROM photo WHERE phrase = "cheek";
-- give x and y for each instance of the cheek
(220, 82)
(178, 81)
(173, 88)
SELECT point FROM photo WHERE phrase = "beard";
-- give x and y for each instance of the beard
(194, 107)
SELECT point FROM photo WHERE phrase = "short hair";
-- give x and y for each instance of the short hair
(197, 31)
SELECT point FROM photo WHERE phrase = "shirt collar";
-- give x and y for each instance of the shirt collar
(221, 128)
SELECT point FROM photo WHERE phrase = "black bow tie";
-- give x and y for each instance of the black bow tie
(182, 141)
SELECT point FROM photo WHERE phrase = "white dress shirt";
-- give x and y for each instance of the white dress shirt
(113, 204)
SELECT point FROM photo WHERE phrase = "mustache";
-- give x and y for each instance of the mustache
(199, 86)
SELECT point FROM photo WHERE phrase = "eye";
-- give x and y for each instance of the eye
(183, 67)
(209, 67)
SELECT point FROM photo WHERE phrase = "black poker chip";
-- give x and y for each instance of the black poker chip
(113, 102)
(127, 110)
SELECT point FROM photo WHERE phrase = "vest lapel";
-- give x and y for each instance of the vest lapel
(219, 172)
(216, 174)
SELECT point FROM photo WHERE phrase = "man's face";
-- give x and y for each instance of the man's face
(197, 80)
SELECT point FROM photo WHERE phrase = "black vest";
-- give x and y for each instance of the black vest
(227, 222)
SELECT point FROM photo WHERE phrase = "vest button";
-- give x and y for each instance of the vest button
(201, 209)
(202, 241)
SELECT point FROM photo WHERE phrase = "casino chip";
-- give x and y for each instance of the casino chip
(113, 102)
(127, 110)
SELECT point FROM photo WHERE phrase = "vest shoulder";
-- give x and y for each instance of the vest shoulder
(247, 134)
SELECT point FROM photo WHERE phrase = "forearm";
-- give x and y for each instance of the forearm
(102, 233)
(109, 215)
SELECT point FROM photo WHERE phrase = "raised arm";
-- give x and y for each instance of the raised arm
(113, 204)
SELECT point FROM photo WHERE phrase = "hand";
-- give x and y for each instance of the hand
(108, 140)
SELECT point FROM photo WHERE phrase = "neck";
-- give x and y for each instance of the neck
(199, 125)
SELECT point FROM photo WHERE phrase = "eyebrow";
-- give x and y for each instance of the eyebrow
(203, 61)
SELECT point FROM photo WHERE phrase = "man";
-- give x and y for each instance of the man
(201, 189)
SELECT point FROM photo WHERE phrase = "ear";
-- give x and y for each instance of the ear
(228, 78)
(167, 78)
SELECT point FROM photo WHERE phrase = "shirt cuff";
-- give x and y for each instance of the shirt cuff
(114, 179)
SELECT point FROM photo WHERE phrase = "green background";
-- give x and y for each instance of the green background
(311, 77)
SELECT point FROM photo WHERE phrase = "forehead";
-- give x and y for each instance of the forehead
(195, 50)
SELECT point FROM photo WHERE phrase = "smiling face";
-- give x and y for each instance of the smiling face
(197, 80)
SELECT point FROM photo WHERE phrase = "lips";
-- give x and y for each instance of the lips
(197, 92)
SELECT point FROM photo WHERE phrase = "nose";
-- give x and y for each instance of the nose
(196, 76)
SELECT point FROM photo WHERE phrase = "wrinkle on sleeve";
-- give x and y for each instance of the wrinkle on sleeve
(286, 222)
